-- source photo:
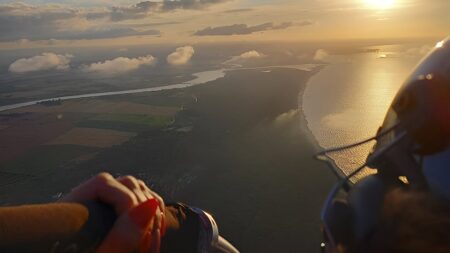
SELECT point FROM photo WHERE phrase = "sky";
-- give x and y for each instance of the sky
(47, 23)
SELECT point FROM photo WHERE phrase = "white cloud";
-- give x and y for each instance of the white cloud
(45, 61)
(321, 55)
(23, 41)
(238, 61)
(119, 65)
(252, 54)
(181, 56)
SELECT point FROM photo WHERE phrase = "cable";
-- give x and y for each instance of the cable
(336, 149)
(375, 156)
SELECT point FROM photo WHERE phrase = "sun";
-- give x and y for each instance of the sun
(380, 4)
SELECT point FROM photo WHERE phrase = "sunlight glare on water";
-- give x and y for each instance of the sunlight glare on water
(347, 101)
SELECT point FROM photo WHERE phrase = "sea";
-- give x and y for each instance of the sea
(347, 100)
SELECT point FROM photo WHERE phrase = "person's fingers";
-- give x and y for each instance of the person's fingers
(162, 205)
(146, 243)
(151, 194)
(155, 245)
(158, 232)
(132, 183)
(131, 229)
(107, 189)
(144, 188)
(158, 218)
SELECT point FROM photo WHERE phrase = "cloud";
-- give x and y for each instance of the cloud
(251, 54)
(238, 10)
(304, 23)
(168, 5)
(106, 33)
(20, 20)
(238, 61)
(145, 8)
(163, 23)
(39, 22)
(42, 22)
(139, 10)
(45, 61)
(23, 41)
(240, 29)
(321, 55)
(181, 56)
(49, 42)
(119, 65)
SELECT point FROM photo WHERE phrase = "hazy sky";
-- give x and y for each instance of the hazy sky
(107, 22)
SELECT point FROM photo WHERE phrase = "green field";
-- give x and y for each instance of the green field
(126, 122)
(162, 98)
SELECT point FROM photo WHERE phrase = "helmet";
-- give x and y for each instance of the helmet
(413, 143)
(419, 120)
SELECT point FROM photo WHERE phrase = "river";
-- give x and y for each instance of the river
(200, 78)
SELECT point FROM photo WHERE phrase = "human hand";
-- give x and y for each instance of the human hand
(141, 212)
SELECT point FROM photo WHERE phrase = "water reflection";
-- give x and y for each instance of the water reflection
(347, 100)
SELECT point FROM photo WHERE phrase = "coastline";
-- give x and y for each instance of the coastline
(305, 126)
(277, 167)
(333, 167)
(247, 158)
